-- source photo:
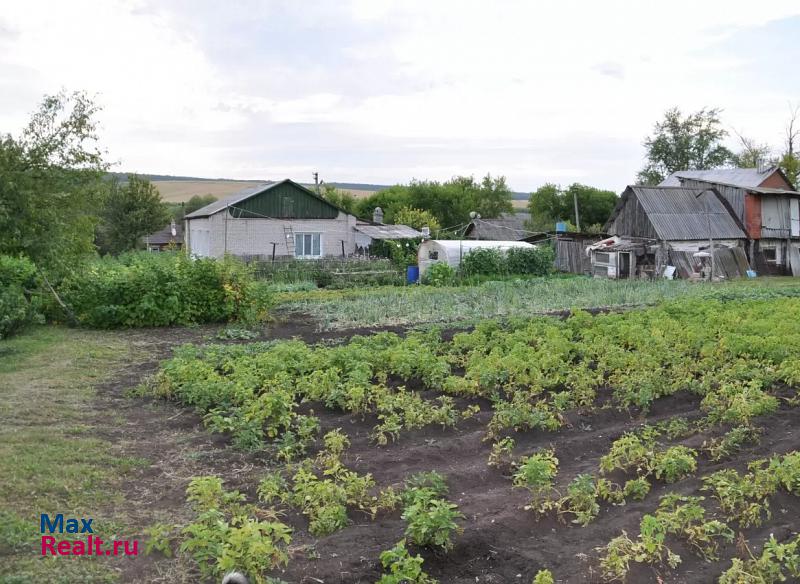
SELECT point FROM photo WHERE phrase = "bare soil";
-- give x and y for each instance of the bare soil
(501, 542)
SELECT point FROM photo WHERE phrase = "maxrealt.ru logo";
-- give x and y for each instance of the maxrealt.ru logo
(90, 545)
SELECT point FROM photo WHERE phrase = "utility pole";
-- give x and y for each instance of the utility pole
(316, 181)
(577, 216)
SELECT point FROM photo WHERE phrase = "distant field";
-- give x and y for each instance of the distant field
(177, 191)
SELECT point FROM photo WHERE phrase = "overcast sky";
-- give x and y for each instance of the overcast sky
(383, 92)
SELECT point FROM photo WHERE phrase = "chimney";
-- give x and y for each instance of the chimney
(377, 215)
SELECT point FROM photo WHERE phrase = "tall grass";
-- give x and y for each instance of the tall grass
(423, 304)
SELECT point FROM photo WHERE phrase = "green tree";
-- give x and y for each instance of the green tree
(198, 202)
(752, 153)
(789, 161)
(51, 183)
(691, 142)
(493, 197)
(132, 210)
(550, 203)
(342, 199)
(449, 202)
(416, 218)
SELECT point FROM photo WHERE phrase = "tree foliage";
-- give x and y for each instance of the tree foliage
(132, 210)
(550, 203)
(198, 202)
(690, 142)
(450, 202)
(342, 199)
(51, 183)
(416, 218)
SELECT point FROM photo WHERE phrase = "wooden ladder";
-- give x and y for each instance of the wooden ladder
(288, 236)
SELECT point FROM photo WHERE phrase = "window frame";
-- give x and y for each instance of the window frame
(301, 235)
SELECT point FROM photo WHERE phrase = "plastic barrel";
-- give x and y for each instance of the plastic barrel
(412, 274)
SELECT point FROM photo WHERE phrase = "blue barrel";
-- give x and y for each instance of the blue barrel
(561, 227)
(412, 274)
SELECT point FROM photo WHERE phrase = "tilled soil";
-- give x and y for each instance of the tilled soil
(501, 542)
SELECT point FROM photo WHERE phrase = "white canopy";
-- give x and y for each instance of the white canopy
(452, 251)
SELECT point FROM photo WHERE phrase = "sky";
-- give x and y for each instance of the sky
(383, 92)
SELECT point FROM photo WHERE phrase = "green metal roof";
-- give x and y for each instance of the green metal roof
(281, 200)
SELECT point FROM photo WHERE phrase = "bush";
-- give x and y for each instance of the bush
(533, 261)
(146, 289)
(17, 305)
(483, 260)
(440, 274)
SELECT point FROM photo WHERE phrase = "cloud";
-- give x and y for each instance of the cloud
(382, 91)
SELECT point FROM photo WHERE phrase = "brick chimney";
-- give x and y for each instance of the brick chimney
(377, 215)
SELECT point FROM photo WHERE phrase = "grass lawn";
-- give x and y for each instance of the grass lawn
(50, 461)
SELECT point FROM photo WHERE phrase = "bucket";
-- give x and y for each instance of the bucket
(412, 274)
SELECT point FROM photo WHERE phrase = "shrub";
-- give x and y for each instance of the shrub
(146, 289)
(440, 274)
(483, 260)
(536, 261)
(533, 261)
(17, 306)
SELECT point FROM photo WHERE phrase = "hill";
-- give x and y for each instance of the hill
(177, 189)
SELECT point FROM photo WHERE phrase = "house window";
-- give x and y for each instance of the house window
(771, 255)
(601, 257)
(307, 245)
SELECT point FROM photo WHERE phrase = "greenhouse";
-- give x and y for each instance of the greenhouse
(452, 252)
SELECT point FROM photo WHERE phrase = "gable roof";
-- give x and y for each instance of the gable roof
(509, 226)
(739, 177)
(249, 193)
(678, 213)
(164, 236)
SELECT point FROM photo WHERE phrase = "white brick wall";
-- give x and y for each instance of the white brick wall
(255, 236)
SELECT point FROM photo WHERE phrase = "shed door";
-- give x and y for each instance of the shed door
(794, 217)
(624, 264)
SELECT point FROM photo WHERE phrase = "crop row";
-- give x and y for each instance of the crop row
(740, 359)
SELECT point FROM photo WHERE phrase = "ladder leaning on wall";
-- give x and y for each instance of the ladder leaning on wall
(288, 236)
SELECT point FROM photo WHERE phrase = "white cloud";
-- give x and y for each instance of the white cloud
(385, 91)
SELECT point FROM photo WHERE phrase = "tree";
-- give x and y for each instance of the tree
(692, 142)
(416, 218)
(789, 161)
(198, 202)
(550, 203)
(752, 153)
(51, 183)
(132, 210)
(340, 198)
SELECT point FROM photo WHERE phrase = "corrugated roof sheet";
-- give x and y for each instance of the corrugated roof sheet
(236, 197)
(164, 236)
(757, 190)
(388, 231)
(679, 214)
(510, 226)
(740, 177)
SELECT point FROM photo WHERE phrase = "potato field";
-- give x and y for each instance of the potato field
(653, 445)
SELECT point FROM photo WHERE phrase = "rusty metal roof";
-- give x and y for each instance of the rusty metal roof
(678, 213)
